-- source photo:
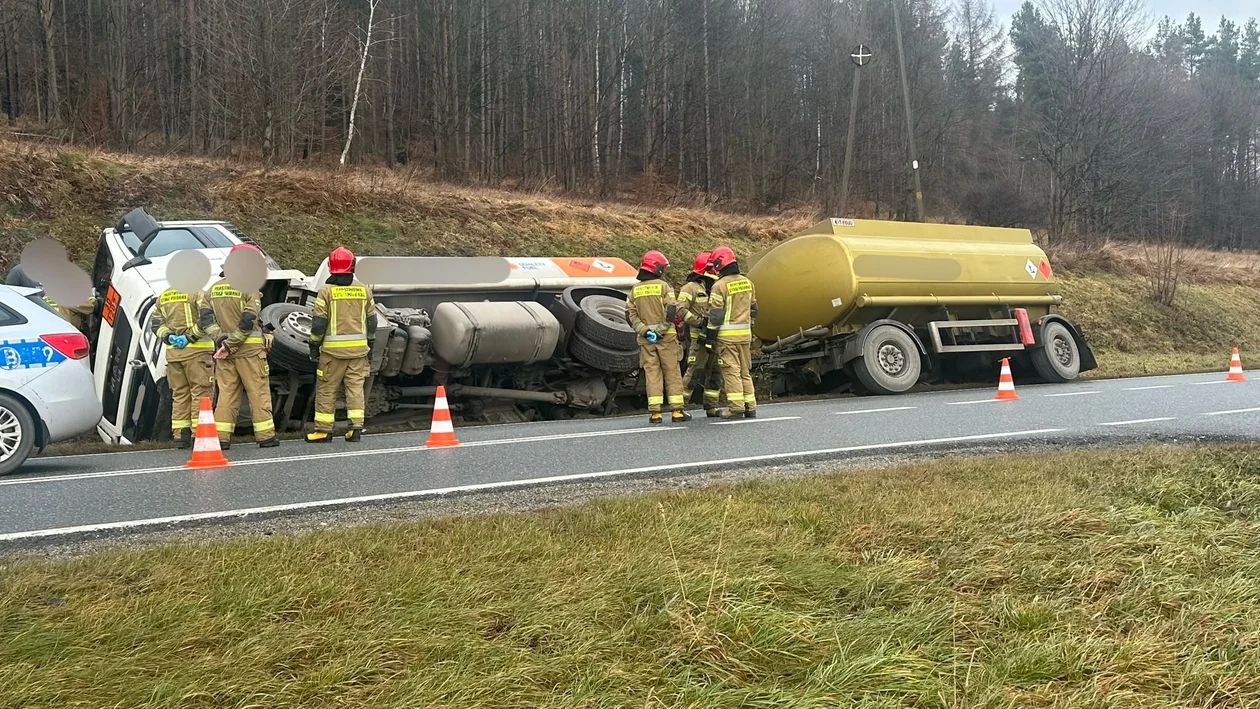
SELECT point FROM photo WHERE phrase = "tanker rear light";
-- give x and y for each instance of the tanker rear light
(1025, 328)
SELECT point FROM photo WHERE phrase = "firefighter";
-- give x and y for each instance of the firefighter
(231, 318)
(693, 303)
(651, 310)
(343, 330)
(732, 309)
(189, 359)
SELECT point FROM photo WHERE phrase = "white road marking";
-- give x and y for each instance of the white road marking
(1075, 393)
(1136, 421)
(873, 411)
(772, 418)
(1157, 386)
(326, 456)
(1223, 381)
(437, 492)
(1231, 411)
(977, 401)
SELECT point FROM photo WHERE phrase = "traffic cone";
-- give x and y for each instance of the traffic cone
(206, 451)
(442, 431)
(1006, 384)
(1235, 369)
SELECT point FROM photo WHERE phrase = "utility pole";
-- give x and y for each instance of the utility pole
(905, 91)
(861, 56)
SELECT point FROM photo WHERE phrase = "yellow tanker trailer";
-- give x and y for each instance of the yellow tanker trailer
(884, 305)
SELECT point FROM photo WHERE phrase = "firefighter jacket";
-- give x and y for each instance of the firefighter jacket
(652, 306)
(227, 311)
(693, 305)
(177, 313)
(77, 315)
(732, 307)
(344, 318)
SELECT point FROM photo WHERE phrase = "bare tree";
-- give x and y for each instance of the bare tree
(358, 82)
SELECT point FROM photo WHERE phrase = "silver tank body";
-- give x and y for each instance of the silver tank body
(520, 332)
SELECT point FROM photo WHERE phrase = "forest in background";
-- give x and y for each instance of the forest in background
(1083, 119)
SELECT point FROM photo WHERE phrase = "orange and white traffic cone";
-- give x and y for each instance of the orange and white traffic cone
(1006, 383)
(1235, 368)
(206, 451)
(441, 431)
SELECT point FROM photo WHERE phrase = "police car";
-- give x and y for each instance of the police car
(46, 391)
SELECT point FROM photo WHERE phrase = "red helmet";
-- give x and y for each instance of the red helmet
(722, 257)
(244, 246)
(341, 260)
(654, 262)
(702, 262)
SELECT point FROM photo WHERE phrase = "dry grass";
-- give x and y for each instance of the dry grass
(1124, 578)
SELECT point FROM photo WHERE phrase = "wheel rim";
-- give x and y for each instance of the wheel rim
(1063, 351)
(298, 323)
(891, 359)
(10, 434)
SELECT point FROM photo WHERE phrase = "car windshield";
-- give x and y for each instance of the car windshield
(168, 241)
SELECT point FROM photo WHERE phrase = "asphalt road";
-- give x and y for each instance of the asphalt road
(73, 495)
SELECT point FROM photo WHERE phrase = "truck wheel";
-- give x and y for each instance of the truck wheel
(603, 358)
(890, 362)
(1059, 359)
(17, 433)
(291, 349)
(602, 319)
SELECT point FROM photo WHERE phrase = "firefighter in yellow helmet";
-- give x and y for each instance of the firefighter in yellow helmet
(693, 305)
(651, 310)
(343, 331)
(231, 318)
(732, 308)
(189, 358)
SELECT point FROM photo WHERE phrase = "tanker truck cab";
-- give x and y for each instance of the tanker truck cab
(128, 275)
(881, 306)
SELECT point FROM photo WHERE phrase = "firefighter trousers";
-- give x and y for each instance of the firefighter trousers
(660, 371)
(334, 373)
(735, 360)
(251, 373)
(697, 366)
(189, 380)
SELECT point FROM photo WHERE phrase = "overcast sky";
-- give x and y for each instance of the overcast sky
(1210, 10)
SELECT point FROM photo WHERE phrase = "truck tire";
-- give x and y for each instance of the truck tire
(890, 362)
(291, 348)
(603, 358)
(17, 433)
(602, 319)
(1058, 360)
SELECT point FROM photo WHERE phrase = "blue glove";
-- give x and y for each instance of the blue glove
(651, 336)
(179, 342)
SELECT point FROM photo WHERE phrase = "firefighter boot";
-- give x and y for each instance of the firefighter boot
(655, 418)
(680, 416)
(269, 442)
(750, 413)
(713, 413)
(318, 437)
(354, 435)
(726, 414)
(185, 438)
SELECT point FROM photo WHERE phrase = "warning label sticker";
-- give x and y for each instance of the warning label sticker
(1044, 269)
(835, 221)
(1031, 268)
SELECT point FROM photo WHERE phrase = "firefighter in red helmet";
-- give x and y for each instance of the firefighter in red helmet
(651, 310)
(230, 317)
(343, 333)
(693, 306)
(732, 308)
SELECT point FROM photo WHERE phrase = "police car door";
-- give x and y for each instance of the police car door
(19, 347)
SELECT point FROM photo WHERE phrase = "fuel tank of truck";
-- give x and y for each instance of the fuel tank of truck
(518, 332)
(839, 269)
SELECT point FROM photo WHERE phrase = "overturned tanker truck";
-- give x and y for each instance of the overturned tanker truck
(509, 338)
(877, 307)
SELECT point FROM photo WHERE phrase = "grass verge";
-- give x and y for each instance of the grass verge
(1103, 578)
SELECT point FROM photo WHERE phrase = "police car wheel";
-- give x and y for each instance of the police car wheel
(17, 433)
